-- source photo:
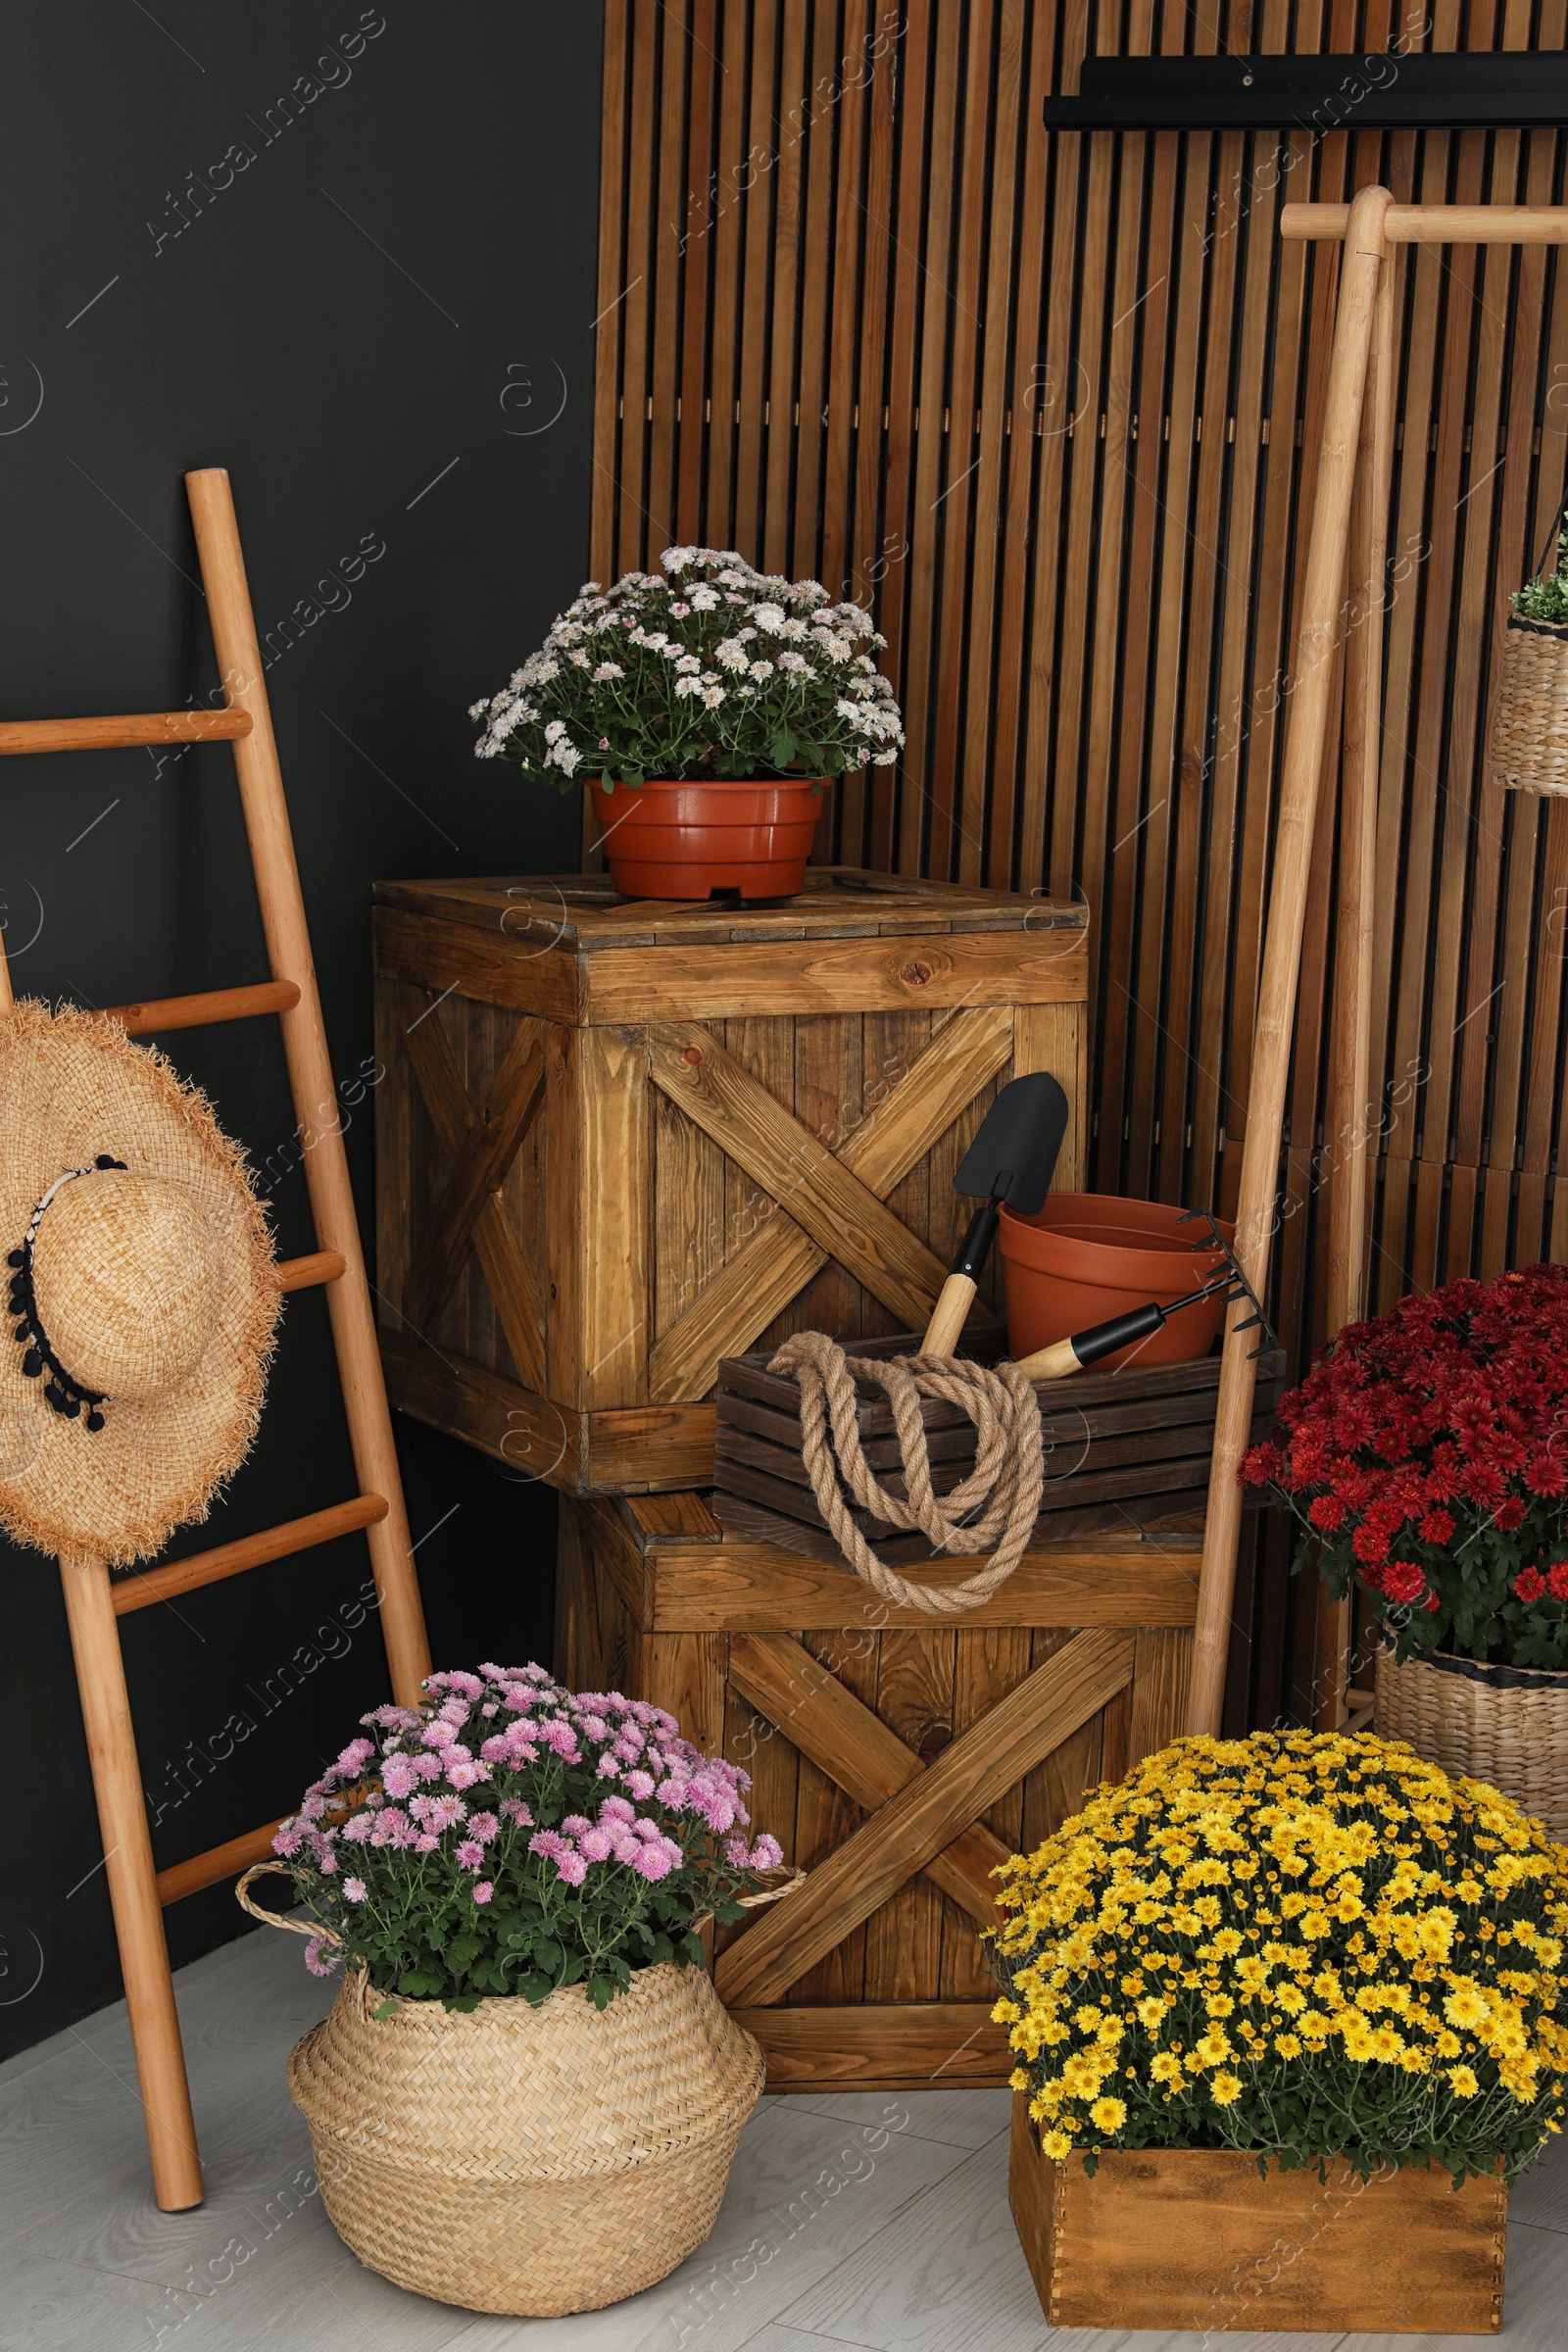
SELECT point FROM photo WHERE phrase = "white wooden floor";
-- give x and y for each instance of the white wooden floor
(869, 2219)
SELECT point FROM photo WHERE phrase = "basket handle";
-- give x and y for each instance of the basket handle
(1554, 536)
(754, 1902)
(274, 1918)
(772, 1894)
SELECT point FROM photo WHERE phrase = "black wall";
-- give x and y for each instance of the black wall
(349, 255)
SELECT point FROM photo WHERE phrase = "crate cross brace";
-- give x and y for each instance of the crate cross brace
(93, 1601)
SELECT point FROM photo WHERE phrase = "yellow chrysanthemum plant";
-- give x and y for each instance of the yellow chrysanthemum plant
(1308, 1945)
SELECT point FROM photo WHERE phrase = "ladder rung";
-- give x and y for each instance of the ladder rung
(212, 1004)
(304, 1273)
(108, 734)
(218, 1862)
(231, 1560)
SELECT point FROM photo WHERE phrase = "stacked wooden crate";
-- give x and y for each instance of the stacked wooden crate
(898, 1760)
(620, 1142)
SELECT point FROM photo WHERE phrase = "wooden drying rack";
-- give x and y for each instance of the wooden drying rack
(1347, 541)
(94, 1601)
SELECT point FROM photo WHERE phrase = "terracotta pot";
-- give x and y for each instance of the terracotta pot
(685, 840)
(1086, 1256)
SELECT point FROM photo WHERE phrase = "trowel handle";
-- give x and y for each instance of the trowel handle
(1063, 1357)
(957, 1291)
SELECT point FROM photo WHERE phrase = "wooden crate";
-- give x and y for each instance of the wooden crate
(1199, 2238)
(897, 1758)
(617, 1140)
(1121, 1448)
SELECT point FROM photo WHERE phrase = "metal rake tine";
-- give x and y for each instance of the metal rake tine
(1244, 1288)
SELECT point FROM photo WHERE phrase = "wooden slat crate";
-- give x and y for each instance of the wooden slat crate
(1121, 1448)
(618, 1141)
(897, 1758)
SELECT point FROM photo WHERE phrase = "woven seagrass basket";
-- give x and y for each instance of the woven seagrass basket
(527, 2161)
(1530, 725)
(1504, 1724)
(1530, 728)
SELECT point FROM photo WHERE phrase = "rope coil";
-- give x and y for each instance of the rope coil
(1007, 1478)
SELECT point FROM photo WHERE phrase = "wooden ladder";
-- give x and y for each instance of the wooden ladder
(93, 1601)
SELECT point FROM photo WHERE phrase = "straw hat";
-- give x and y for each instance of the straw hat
(141, 1279)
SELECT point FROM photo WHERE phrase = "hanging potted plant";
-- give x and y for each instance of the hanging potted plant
(1289, 2015)
(706, 709)
(527, 2095)
(1425, 1458)
(1530, 726)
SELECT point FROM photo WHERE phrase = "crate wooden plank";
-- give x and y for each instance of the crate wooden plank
(1186, 1474)
(749, 1376)
(894, 2046)
(808, 975)
(741, 1516)
(1135, 1514)
(761, 1587)
(780, 1420)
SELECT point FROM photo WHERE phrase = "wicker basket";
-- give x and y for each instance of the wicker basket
(527, 2161)
(1530, 730)
(1504, 1724)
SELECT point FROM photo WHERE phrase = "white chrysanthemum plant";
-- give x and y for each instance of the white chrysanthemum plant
(709, 671)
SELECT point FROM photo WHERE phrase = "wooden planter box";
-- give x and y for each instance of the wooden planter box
(1198, 2238)
(898, 1759)
(1122, 1449)
(617, 1140)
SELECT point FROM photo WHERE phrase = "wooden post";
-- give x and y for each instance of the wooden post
(310, 1069)
(1349, 1128)
(1282, 946)
(1368, 225)
(132, 1882)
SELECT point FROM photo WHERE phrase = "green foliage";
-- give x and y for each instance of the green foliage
(713, 674)
(1545, 598)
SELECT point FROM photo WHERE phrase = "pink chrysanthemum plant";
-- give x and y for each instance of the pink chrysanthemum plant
(510, 1837)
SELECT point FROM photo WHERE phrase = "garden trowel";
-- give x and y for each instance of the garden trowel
(1010, 1163)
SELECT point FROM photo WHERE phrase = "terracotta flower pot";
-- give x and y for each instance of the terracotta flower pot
(687, 840)
(1086, 1256)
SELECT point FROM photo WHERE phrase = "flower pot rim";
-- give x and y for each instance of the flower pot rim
(1498, 1675)
(801, 783)
(1539, 628)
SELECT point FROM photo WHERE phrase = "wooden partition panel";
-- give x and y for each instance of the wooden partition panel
(1049, 404)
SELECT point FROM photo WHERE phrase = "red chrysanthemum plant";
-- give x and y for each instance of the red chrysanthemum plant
(1425, 1455)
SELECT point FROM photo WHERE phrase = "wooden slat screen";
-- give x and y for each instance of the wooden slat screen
(1049, 405)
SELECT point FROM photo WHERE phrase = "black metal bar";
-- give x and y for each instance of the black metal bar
(1481, 90)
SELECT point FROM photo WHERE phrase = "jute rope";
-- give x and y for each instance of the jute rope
(1008, 1467)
